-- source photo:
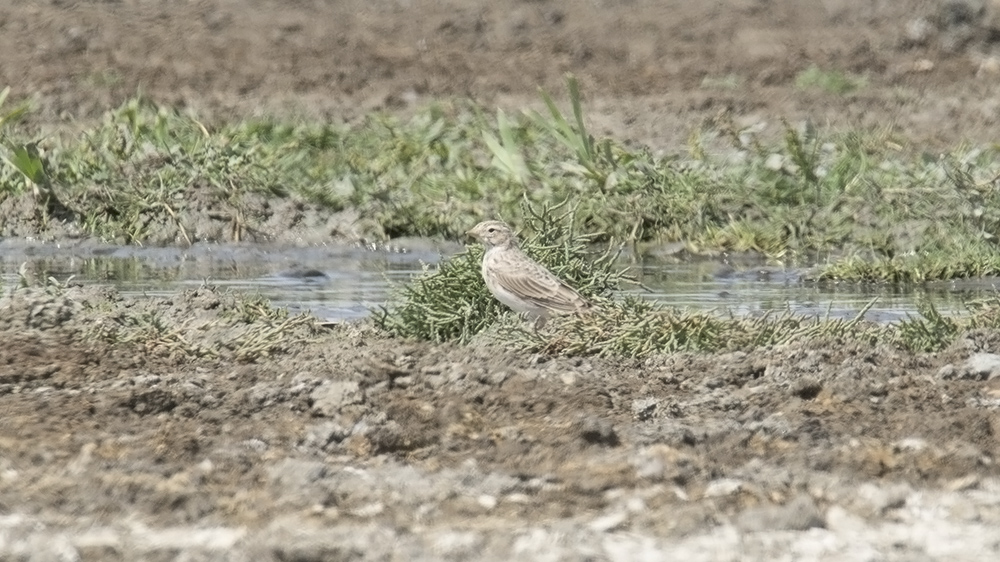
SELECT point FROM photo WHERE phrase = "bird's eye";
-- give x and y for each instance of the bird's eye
(491, 230)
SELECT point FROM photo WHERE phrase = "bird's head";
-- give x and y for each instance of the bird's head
(493, 233)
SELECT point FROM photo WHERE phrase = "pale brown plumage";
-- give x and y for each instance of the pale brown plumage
(520, 282)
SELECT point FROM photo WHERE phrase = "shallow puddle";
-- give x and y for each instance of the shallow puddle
(347, 281)
(754, 289)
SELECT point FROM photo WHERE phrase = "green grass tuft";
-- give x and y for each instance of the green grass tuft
(831, 81)
(633, 327)
(452, 302)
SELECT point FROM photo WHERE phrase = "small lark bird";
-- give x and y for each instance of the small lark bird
(519, 281)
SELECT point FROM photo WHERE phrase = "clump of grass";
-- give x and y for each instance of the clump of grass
(984, 262)
(447, 303)
(136, 177)
(202, 323)
(150, 333)
(633, 327)
(930, 331)
(831, 81)
(723, 82)
(453, 303)
(25, 166)
(37, 303)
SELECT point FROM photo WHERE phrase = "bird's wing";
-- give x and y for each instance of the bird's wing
(540, 287)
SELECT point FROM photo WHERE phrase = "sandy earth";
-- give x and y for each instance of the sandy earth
(349, 446)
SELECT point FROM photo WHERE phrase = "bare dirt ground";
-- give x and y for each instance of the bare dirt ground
(354, 447)
(651, 71)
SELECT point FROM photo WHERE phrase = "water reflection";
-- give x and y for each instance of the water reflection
(755, 289)
(345, 282)
(334, 282)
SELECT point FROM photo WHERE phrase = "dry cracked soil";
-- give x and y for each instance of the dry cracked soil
(117, 444)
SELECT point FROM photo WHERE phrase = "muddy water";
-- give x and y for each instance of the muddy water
(754, 289)
(347, 281)
(334, 282)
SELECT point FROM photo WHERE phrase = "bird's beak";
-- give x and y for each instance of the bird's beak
(471, 232)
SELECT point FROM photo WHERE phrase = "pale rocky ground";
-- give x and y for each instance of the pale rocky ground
(349, 446)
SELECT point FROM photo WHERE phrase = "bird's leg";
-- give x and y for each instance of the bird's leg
(539, 323)
(528, 319)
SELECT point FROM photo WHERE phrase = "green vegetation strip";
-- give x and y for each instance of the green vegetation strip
(452, 303)
(198, 323)
(146, 173)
